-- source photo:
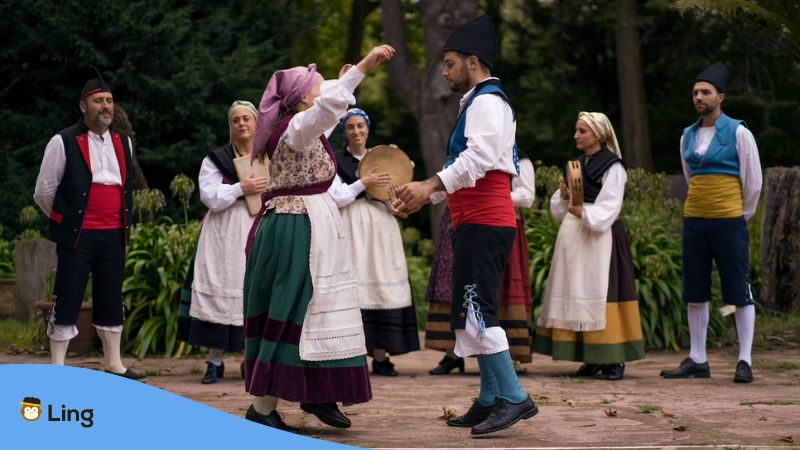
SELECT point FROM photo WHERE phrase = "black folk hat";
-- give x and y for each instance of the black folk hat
(715, 74)
(94, 85)
(476, 37)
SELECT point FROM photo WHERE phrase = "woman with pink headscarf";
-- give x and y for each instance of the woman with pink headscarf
(304, 339)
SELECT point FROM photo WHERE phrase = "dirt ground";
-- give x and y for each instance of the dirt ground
(643, 410)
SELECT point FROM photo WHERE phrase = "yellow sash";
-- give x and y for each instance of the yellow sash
(714, 196)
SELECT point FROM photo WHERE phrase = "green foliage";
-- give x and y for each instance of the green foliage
(419, 253)
(155, 268)
(653, 223)
(6, 259)
(146, 202)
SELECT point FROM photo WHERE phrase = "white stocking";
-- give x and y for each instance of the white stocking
(112, 358)
(745, 327)
(58, 351)
(698, 331)
(265, 405)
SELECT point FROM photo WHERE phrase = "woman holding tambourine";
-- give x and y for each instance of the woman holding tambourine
(590, 312)
(360, 190)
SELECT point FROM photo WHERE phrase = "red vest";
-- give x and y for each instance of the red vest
(488, 203)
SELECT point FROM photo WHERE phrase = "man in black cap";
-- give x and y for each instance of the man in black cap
(721, 164)
(476, 181)
(84, 188)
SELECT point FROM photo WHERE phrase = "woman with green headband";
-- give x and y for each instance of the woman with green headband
(213, 291)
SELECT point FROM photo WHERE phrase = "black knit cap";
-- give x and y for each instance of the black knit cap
(94, 85)
(715, 74)
(31, 400)
(476, 37)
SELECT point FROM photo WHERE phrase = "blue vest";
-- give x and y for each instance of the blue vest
(721, 157)
(458, 141)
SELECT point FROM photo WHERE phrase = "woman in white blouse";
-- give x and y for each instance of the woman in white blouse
(591, 312)
(215, 317)
(376, 250)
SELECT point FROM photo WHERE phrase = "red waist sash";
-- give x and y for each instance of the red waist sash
(104, 209)
(488, 203)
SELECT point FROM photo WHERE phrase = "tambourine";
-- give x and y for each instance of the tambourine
(575, 181)
(386, 158)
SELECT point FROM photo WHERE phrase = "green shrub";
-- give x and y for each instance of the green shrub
(155, 268)
(419, 253)
(6, 259)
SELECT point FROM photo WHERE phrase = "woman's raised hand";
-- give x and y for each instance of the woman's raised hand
(377, 56)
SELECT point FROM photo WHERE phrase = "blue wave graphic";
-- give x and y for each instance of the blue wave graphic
(94, 409)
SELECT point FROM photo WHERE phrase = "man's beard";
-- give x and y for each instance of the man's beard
(462, 85)
(703, 109)
(103, 120)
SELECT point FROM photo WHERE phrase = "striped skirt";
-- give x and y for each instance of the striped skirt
(621, 340)
(515, 296)
(277, 291)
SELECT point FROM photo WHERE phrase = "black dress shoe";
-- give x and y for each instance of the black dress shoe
(385, 368)
(327, 413)
(272, 420)
(588, 370)
(213, 373)
(447, 364)
(744, 373)
(688, 368)
(129, 374)
(614, 372)
(474, 415)
(506, 414)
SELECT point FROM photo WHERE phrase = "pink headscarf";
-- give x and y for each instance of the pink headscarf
(284, 90)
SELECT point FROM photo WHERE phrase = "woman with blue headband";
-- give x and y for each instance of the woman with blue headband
(376, 249)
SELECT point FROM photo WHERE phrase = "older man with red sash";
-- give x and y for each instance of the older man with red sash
(481, 161)
(84, 188)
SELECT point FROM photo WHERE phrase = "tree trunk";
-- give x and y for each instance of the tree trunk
(34, 261)
(424, 91)
(635, 132)
(355, 33)
(780, 240)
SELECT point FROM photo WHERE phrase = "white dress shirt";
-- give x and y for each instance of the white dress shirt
(103, 158)
(216, 195)
(749, 163)
(523, 187)
(335, 96)
(344, 194)
(600, 215)
(490, 130)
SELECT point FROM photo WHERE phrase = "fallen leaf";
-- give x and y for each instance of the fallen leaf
(588, 425)
(763, 418)
(447, 413)
(610, 412)
(680, 428)
(667, 415)
(571, 402)
(787, 439)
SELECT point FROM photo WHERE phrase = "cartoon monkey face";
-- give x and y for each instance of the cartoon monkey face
(31, 412)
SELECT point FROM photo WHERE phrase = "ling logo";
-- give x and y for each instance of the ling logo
(31, 408)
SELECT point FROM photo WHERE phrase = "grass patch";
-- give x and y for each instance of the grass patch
(16, 335)
(778, 402)
(783, 366)
(733, 448)
(779, 330)
(606, 402)
(648, 408)
(195, 371)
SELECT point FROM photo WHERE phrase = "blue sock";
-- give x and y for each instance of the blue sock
(488, 394)
(502, 367)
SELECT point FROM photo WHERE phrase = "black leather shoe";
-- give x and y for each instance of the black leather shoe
(385, 368)
(327, 413)
(474, 415)
(588, 370)
(272, 420)
(688, 368)
(744, 373)
(129, 374)
(447, 364)
(614, 372)
(506, 414)
(213, 373)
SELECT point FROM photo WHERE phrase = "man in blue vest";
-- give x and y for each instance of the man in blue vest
(476, 181)
(84, 187)
(721, 164)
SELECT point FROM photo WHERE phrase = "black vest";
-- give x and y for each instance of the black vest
(223, 158)
(593, 172)
(72, 196)
(346, 168)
